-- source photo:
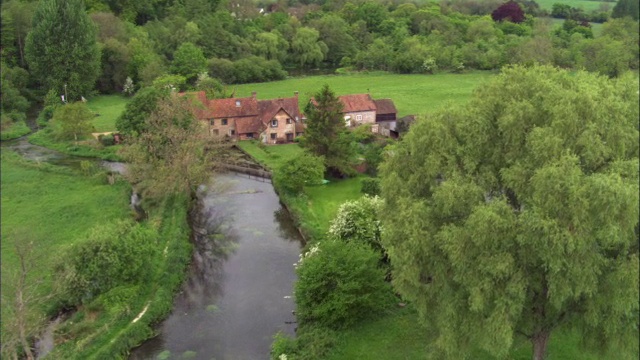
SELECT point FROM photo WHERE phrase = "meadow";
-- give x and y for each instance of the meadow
(412, 94)
(587, 5)
(52, 207)
(107, 109)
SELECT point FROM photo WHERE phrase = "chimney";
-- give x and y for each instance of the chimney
(295, 93)
(253, 94)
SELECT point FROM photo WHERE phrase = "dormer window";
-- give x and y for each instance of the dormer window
(274, 123)
(237, 103)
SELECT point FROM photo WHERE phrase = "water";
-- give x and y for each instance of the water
(239, 291)
(42, 154)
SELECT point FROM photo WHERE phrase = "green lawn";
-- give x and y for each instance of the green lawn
(54, 209)
(270, 156)
(108, 108)
(412, 94)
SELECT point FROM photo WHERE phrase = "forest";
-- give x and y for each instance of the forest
(206, 44)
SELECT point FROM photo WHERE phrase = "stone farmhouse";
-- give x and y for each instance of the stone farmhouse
(279, 121)
(273, 121)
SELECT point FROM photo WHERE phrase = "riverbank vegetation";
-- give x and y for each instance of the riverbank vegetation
(52, 208)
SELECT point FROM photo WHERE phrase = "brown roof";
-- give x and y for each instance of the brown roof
(385, 106)
(357, 102)
(248, 125)
(227, 108)
(269, 108)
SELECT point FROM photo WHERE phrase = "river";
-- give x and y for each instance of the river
(239, 292)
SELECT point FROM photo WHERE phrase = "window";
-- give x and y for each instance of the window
(237, 103)
(289, 137)
(224, 122)
(232, 132)
(273, 136)
(274, 123)
(288, 121)
(250, 136)
(216, 132)
(212, 122)
(358, 117)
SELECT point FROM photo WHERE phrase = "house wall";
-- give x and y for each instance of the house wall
(368, 117)
(282, 129)
(222, 129)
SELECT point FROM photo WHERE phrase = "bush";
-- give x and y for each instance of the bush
(311, 343)
(114, 254)
(371, 186)
(340, 283)
(357, 221)
(305, 169)
(107, 140)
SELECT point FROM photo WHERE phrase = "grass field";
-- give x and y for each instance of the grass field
(412, 94)
(108, 108)
(580, 4)
(52, 208)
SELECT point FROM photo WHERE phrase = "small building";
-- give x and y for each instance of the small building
(358, 109)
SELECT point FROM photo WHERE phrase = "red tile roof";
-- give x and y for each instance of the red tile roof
(227, 108)
(385, 106)
(246, 125)
(357, 102)
(269, 108)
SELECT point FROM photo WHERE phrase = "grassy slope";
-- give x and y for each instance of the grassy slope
(108, 108)
(412, 94)
(54, 208)
(15, 131)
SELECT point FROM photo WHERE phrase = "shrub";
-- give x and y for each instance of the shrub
(305, 169)
(107, 140)
(340, 283)
(371, 186)
(357, 221)
(114, 254)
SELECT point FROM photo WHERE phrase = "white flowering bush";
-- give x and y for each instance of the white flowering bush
(357, 220)
(128, 88)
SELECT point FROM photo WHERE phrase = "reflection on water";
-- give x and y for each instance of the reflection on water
(238, 294)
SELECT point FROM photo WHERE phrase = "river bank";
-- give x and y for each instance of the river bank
(56, 206)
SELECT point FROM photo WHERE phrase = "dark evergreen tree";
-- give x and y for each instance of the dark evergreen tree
(61, 49)
(625, 8)
(326, 134)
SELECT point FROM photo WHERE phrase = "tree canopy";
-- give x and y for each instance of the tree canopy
(518, 213)
(61, 48)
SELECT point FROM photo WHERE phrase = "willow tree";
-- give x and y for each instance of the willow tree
(518, 214)
(61, 48)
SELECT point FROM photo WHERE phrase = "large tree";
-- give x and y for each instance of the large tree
(326, 134)
(518, 214)
(174, 155)
(61, 49)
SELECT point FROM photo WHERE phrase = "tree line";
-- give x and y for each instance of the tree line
(108, 44)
